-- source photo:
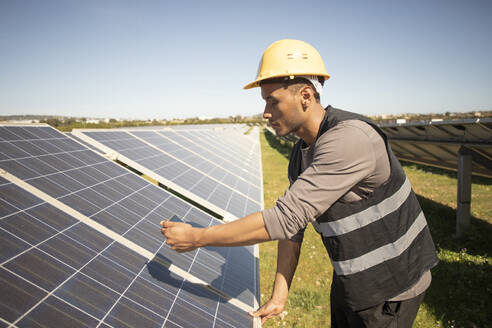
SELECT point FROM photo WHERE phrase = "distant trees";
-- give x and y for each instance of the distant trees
(68, 123)
(54, 122)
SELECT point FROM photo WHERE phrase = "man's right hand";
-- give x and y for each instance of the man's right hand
(268, 310)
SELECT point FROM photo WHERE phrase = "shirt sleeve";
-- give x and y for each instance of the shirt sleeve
(342, 158)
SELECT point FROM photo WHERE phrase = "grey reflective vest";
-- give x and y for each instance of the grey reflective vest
(378, 246)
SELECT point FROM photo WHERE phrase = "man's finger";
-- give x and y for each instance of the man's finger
(168, 224)
(258, 312)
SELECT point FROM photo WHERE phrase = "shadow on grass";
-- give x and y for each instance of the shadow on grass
(460, 293)
(442, 223)
(452, 174)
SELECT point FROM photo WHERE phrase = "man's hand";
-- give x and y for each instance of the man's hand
(268, 310)
(287, 258)
(181, 237)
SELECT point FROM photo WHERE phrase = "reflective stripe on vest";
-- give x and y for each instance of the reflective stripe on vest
(383, 253)
(367, 216)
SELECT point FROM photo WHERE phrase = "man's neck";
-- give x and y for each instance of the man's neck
(309, 131)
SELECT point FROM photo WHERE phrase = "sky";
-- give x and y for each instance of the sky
(179, 59)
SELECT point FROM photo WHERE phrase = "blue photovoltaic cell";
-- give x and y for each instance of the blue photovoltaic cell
(70, 275)
(121, 201)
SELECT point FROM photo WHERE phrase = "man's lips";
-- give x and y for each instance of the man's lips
(274, 124)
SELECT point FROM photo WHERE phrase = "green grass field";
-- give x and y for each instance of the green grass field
(460, 294)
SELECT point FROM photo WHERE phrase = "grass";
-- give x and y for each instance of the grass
(460, 294)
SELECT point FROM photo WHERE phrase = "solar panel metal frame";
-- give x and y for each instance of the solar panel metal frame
(115, 156)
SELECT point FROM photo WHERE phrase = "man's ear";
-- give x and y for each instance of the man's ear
(307, 96)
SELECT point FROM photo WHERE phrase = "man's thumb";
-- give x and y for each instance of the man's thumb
(168, 224)
(257, 313)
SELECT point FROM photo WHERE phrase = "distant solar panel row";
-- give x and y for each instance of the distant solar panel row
(246, 180)
(196, 171)
(245, 158)
(438, 143)
(117, 199)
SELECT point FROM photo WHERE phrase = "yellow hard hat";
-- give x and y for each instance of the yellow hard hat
(289, 58)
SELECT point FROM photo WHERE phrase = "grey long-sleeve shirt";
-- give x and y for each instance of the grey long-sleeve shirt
(346, 163)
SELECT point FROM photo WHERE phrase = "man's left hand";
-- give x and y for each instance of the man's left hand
(181, 237)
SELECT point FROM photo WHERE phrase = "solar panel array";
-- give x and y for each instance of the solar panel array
(437, 143)
(80, 245)
(218, 168)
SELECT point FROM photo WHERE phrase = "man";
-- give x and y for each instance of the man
(346, 182)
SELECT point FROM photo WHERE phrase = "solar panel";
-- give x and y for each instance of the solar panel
(204, 151)
(204, 161)
(122, 202)
(71, 135)
(136, 150)
(437, 143)
(57, 271)
(225, 150)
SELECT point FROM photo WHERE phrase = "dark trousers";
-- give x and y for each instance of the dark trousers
(399, 314)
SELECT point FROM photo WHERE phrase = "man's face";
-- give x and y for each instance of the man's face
(282, 109)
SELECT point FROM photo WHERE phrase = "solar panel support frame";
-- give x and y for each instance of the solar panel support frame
(464, 191)
(469, 154)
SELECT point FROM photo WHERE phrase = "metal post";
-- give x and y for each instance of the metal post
(464, 191)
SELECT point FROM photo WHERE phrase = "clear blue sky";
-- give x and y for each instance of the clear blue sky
(174, 59)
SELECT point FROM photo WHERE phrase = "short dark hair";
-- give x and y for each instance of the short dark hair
(287, 82)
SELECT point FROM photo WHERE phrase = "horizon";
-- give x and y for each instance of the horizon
(488, 114)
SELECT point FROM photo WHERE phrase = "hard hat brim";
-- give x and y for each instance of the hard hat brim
(256, 83)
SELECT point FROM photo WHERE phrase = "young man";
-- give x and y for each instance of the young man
(347, 183)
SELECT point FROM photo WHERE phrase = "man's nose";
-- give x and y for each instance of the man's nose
(266, 114)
